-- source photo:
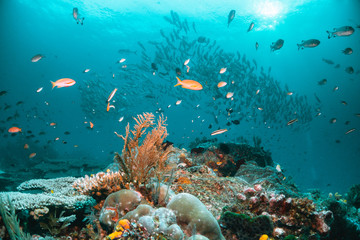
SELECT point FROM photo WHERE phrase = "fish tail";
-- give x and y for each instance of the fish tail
(53, 84)
(330, 34)
(178, 82)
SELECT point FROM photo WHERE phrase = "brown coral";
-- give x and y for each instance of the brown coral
(100, 184)
(140, 162)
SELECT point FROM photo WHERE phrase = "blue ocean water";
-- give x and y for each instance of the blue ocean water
(314, 151)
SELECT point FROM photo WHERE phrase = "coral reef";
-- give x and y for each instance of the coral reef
(141, 162)
(100, 184)
(117, 205)
(48, 192)
(245, 227)
(192, 213)
(353, 196)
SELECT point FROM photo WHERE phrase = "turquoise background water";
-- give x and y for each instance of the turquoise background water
(309, 153)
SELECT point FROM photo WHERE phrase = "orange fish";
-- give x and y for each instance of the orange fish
(189, 84)
(91, 125)
(221, 84)
(63, 82)
(52, 124)
(26, 146)
(14, 130)
(32, 155)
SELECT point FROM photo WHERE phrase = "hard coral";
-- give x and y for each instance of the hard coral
(117, 205)
(244, 226)
(192, 213)
(100, 184)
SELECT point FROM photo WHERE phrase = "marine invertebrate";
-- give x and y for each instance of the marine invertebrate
(117, 205)
(11, 221)
(142, 160)
(100, 184)
(56, 225)
(246, 227)
(56, 193)
(353, 196)
(192, 213)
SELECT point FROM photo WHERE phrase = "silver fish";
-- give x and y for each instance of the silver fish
(78, 18)
(37, 58)
(311, 43)
(252, 24)
(231, 16)
(341, 32)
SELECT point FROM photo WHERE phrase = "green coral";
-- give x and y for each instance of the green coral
(246, 227)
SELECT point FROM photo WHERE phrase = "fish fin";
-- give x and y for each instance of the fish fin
(178, 83)
(53, 84)
(330, 34)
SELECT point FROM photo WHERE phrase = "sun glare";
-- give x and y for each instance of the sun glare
(269, 9)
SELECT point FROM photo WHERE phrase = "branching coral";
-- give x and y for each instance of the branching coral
(140, 162)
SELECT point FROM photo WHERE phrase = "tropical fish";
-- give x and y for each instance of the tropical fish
(347, 51)
(122, 60)
(256, 46)
(322, 82)
(328, 61)
(229, 95)
(26, 146)
(252, 24)
(63, 82)
(222, 70)
(333, 120)
(341, 32)
(178, 102)
(32, 155)
(37, 58)
(39, 89)
(218, 131)
(236, 122)
(349, 70)
(78, 18)
(231, 16)
(221, 84)
(277, 45)
(86, 70)
(351, 130)
(91, 125)
(3, 93)
(52, 124)
(187, 61)
(121, 118)
(14, 130)
(188, 84)
(311, 43)
(292, 121)
(111, 95)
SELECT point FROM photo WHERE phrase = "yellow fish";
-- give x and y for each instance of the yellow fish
(189, 84)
